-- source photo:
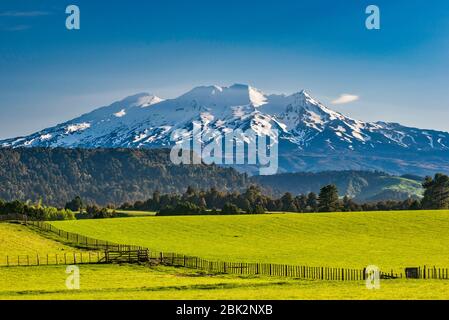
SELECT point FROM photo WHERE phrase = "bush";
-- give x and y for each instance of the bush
(230, 208)
(181, 208)
(258, 209)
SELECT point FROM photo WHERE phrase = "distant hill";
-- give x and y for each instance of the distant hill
(103, 176)
(361, 185)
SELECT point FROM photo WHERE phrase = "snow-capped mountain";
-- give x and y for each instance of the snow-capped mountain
(312, 136)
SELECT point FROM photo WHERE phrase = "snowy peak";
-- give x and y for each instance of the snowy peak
(235, 95)
(122, 108)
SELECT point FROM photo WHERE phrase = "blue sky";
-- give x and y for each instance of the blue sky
(49, 74)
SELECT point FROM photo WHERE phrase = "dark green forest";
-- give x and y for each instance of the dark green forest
(103, 176)
(115, 176)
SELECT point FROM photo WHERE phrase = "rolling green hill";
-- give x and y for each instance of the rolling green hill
(390, 240)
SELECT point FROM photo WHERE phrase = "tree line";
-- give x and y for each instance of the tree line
(35, 211)
(253, 201)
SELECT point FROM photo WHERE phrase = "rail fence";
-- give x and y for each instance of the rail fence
(111, 252)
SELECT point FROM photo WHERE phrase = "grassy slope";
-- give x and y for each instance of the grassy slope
(401, 184)
(138, 282)
(390, 240)
(16, 240)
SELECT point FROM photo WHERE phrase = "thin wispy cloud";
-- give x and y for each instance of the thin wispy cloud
(24, 13)
(345, 98)
(16, 28)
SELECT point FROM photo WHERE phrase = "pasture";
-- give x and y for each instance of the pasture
(16, 239)
(390, 240)
(103, 282)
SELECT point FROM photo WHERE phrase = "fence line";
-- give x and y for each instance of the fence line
(181, 260)
(13, 217)
(242, 268)
(65, 258)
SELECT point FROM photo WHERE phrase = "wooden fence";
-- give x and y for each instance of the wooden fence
(427, 272)
(83, 241)
(133, 254)
(64, 258)
(13, 217)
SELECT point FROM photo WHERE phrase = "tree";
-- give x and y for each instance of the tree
(258, 209)
(301, 203)
(230, 208)
(288, 203)
(312, 202)
(203, 203)
(156, 197)
(349, 205)
(181, 208)
(328, 199)
(75, 205)
(436, 194)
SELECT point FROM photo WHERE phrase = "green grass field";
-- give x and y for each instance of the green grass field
(16, 239)
(21, 245)
(390, 240)
(166, 283)
(387, 239)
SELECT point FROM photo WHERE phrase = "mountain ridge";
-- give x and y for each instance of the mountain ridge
(307, 130)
